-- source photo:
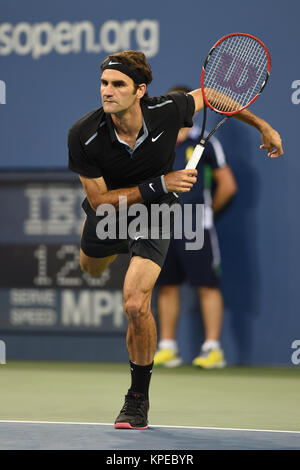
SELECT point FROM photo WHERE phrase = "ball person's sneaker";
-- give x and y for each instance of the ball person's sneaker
(167, 358)
(211, 359)
(134, 414)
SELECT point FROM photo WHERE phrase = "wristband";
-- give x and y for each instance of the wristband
(153, 189)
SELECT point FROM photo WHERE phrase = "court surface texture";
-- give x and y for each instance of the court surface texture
(47, 405)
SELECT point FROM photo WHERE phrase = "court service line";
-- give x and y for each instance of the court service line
(151, 426)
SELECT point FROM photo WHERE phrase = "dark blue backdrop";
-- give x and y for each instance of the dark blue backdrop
(49, 76)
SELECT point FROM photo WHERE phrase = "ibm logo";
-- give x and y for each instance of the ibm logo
(2, 92)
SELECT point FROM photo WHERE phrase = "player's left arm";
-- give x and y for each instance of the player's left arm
(198, 99)
(271, 140)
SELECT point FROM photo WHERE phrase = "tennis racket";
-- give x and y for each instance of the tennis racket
(234, 74)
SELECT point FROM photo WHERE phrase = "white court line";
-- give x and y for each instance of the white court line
(150, 426)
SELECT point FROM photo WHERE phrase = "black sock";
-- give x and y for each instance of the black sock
(140, 378)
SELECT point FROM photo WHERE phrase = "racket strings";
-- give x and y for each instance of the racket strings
(235, 73)
(244, 55)
(240, 50)
(259, 62)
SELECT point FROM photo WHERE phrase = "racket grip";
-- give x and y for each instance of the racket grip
(196, 155)
(194, 160)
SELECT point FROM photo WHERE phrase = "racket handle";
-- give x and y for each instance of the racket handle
(194, 160)
(196, 155)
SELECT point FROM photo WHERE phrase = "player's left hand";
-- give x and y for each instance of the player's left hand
(271, 142)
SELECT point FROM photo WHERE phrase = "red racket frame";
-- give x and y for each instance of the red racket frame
(206, 60)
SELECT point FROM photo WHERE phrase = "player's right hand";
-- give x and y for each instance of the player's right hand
(180, 181)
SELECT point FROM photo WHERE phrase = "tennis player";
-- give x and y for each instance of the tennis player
(126, 148)
(201, 269)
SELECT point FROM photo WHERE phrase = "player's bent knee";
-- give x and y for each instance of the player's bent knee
(92, 271)
(94, 266)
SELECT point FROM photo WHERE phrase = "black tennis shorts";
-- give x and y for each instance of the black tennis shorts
(144, 246)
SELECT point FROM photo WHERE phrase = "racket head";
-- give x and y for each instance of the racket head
(234, 73)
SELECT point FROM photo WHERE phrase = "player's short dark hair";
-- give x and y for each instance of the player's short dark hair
(136, 60)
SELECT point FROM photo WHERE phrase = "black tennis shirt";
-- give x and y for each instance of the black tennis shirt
(95, 149)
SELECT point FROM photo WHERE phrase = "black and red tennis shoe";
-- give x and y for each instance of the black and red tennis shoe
(134, 414)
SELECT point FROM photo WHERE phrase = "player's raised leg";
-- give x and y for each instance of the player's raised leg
(90, 264)
(95, 266)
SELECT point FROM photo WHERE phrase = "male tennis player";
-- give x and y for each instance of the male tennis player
(201, 269)
(126, 148)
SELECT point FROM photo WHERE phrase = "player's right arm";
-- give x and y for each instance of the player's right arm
(97, 192)
(96, 189)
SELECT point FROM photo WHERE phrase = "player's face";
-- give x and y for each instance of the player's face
(117, 91)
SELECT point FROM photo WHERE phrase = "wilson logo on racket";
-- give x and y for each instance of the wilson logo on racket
(235, 74)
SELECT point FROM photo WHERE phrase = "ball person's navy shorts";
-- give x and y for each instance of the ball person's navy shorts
(197, 267)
